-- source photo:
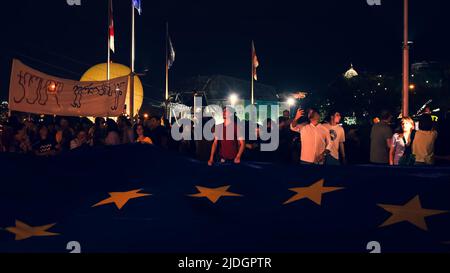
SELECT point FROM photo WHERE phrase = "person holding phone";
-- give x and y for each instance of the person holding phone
(314, 137)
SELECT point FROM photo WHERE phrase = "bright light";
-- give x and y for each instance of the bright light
(51, 87)
(412, 87)
(290, 101)
(233, 98)
(350, 120)
(146, 116)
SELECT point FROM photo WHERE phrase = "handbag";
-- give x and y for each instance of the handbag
(408, 158)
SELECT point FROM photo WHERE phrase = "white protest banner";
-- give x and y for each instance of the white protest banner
(32, 91)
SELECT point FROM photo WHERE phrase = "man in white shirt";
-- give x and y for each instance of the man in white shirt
(314, 137)
(337, 136)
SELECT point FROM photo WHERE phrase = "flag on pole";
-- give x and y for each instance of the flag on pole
(137, 5)
(171, 52)
(111, 27)
(255, 62)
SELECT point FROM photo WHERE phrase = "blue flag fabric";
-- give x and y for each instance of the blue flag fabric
(137, 5)
(175, 204)
(171, 53)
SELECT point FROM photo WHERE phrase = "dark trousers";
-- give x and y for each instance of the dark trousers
(330, 160)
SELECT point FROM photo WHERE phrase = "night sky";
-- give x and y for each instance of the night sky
(301, 45)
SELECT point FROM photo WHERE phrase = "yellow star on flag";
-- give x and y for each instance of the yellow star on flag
(121, 198)
(411, 212)
(24, 231)
(213, 194)
(313, 192)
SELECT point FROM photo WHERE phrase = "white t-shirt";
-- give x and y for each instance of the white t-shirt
(337, 136)
(314, 140)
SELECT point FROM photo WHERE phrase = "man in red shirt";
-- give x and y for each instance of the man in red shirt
(229, 137)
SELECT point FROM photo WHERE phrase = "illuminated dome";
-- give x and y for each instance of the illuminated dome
(350, 73)
(98, 73)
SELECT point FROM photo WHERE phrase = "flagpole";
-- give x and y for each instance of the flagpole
(132, 64)
(167, 71)
(108, 75)
(405, 91)
(253, 76)
(108, 61)
(167, 61)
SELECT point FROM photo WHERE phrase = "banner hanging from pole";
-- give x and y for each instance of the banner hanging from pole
(32, 91)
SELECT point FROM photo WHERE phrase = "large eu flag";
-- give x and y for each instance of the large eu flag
(138, 198)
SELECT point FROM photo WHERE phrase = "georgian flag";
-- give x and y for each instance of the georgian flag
(111, 27)
(255, 62)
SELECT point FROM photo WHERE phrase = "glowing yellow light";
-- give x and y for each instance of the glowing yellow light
(412, 86)
(233, 98)
(51, 87)
(146, 116)
(290, 101)
(98, 73)
(300, 95)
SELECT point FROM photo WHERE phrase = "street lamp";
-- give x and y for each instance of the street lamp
(405, 88)
(290, 101)
(233, 98)
(405, 91)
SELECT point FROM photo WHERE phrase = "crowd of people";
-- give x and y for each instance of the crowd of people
(304, 139)
(412, 144)
(58, 135)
